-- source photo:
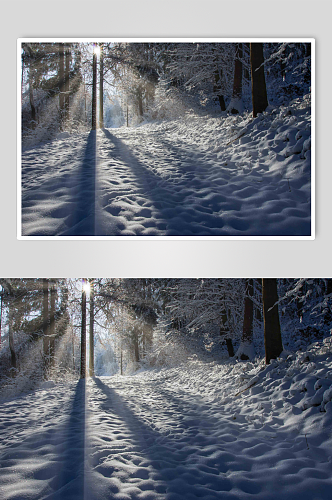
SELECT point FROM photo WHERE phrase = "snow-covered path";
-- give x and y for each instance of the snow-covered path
(190, 177)
(201, 431)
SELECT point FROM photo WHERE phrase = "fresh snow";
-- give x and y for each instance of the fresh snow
(194, 176)
(237, 430)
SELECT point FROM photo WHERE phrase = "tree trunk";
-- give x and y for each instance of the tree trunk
(83, 332)
(52, 324)
(46, 338)
(217, 90)
(258, 85)
(32, 102)
(101, 87)
(66, 102)
(13, 359)
(91, 332)
(136, 346)
(247, 333)
(272, 332)
(61, 83)
(224, 331)
(94, 92)
(1, 302)
(230, 347)
(237, 85)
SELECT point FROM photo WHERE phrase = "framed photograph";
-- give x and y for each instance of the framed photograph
(166, 138)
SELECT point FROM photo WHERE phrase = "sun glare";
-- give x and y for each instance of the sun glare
(96, 50)
(86, 287)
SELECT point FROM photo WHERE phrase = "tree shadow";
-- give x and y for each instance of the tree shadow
(82, 219)
(173, 458)
(168, 199)
(69, 483)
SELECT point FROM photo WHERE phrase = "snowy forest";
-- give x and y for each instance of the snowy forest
(166, 138)
(165, 388)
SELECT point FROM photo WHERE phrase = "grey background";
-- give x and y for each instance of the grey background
(159, 18)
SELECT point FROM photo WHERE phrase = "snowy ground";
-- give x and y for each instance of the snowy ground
(195, 176)
(201, 430)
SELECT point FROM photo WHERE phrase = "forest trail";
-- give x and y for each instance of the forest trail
(157, 437)
(180, 178)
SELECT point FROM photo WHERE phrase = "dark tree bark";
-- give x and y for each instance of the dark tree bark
(247, 333)
(83, 332)
(94, 92)
(67, 70)
(52, 323)
(13, 359)
(140, 101)
(272, 332)
(217, 90)
(61, 82)
(101, 87)
(258, 85)
(224, 332)
(91, 332)
(32, 102)
(230, 347)
(136, 346)
(237, 85)
(46, 338)
(1, 302)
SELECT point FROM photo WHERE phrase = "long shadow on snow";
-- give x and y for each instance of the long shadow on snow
(69, 483)
(170, 458)
(82, 222)
(167, 199)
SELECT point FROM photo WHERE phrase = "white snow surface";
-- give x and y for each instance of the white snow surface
(193, 176)
(237, 430)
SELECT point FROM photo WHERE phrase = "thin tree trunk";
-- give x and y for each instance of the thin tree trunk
(1, 302)
(46, 338)
(237, 85)
(247, 334)
(136, 346)
(217, 90)
(101, 87)
(258, 85)
(230, 347)
(272, 332)
(121, 367)
(91, 332)
(32, 102)
(67, 61)
(61, 82)
(83, 332)
(73, 347)
(52, 324)
(13, 359)
(94, 92)
(224, 331)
